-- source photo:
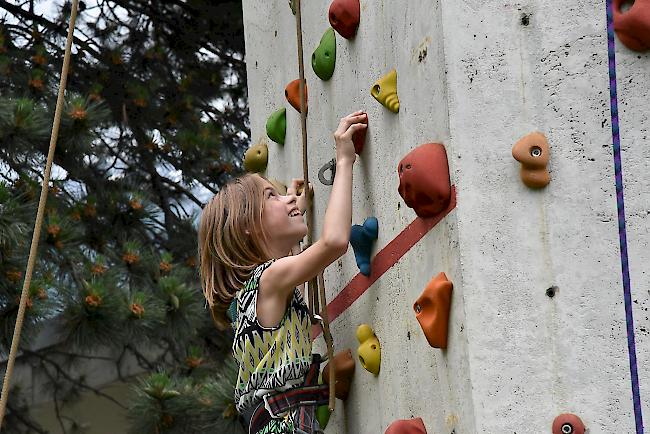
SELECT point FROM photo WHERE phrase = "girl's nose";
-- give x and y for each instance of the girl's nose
(291, 198)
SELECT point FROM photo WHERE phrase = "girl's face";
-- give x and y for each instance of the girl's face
(282, 220)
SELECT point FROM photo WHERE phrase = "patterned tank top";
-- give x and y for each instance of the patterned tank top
(270, 359)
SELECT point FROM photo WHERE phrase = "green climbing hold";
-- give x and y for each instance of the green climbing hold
(276, 126)
(323, 59)
(323, 415)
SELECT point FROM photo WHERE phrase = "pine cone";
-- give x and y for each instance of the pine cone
(165, 267)
(137, 310)
(98, 269)
(194, 362)
(78, 113)
(130, 258)
(14, 275)
(93, 300)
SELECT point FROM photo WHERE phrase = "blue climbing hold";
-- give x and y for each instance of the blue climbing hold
(362, 237)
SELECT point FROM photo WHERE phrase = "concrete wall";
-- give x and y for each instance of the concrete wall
(477, 76)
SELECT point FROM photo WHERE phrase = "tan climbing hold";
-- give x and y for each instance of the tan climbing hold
(533, 152)
(344, 370)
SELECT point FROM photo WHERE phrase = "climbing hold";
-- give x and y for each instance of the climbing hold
(432, 310)
(369, 350)
(407, 426)
(424, 179)
(280, 187)
(344, 17)
(359, 138)
(385, 91)
(276, 126)
(256, 158)
(323, 415)
(633, 25)
(568, 423)
(331, 166)
(344, 370)
(292, 5)
(362, 238)
(532, 151)
(323, 59)
(292, 92)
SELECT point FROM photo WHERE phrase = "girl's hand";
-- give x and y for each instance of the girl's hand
(297, 188)
(343, 135)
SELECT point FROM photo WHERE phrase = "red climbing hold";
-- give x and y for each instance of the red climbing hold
(633, 25)
(344, 17)
(407, 426)
(359, 138)
(424, 179)
(568, 423)
(292, 92)
(432, 310)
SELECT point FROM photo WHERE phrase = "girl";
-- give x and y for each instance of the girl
(251, 266)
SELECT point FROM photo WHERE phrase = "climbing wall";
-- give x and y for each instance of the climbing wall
(538, 324)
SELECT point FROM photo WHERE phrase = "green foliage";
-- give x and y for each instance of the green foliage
(154, 122)
(186, 404)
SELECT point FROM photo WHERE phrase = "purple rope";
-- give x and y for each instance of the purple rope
(620, 204)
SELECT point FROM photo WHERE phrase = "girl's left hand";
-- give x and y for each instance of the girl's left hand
(297, 188)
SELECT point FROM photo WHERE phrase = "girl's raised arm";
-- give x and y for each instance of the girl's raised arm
(279, 280)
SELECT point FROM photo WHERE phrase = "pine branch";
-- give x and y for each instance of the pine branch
(14, 412)
(60, 371)
(57, 28)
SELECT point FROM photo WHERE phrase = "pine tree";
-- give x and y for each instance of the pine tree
(155, 121)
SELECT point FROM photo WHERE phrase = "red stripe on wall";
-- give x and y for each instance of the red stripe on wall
(383, 261)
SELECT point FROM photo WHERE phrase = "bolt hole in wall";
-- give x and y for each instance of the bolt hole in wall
(525, 19)
(550, 292)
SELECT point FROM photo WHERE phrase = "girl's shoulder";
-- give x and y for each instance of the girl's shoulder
(253, 281)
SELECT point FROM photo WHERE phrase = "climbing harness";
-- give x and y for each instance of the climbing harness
(302, 400)
(39, 215)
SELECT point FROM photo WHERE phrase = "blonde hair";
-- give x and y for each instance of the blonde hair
(232, 242)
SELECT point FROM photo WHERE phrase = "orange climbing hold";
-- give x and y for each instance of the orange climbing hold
(369, 350)
(432, 310)
(344, 370)
(424, 179)
(568, 423)
(633, 26)
(407, 426)
(292, 92)
(533, 152)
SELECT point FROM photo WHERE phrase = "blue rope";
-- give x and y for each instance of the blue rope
(620, 204)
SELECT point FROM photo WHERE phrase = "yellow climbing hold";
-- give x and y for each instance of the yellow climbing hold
(256, 158)
(369, 350)
(385, 91)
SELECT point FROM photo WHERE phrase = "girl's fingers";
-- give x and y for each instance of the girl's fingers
(353, 118)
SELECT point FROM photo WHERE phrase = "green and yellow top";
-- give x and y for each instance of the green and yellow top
(270, 359)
